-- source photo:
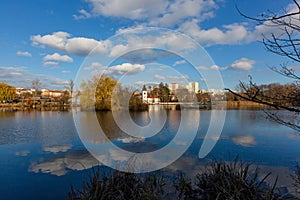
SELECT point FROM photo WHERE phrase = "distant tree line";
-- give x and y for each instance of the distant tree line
(274, 94)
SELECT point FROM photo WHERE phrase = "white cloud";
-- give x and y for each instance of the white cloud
(166, 13)
(24, 53)
(213, 67)
(179, 62)
(165, 40)
(125, 68)
(51, 63)
(157, 76)
(58, 81)
(95, 66)
(139, 83)
(178, 78)
(83, 14)
(58, 57)
(65, 71)
(11, 72)
(77, 45)
(229, 34)
(131, 9)
(180, 10)
(242, 64)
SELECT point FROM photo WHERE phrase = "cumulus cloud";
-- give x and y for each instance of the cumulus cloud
(179, 62)
(229, 34)
(178, 78)
(213, 67)
(58, 57)
(139, 83)
(75, 45)
(95, 66)
(165, 13)
(83, 14)
(157, 76)
(165, 40)
(185, 16)
(125, 68)
(242, 64)
(58, 81)
(11, 72)
(24, 53)
(51, 63)
(131, 9)
(178, 11)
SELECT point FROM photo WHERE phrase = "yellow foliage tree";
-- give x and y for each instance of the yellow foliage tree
(97, 93)
(7, 92)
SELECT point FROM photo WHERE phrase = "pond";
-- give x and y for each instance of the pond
(41, 153)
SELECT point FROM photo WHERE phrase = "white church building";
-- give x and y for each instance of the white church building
(149, 98)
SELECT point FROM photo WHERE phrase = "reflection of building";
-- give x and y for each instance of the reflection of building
(173, 87)
(193, 87)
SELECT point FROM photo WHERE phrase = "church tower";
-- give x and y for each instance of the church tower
(144, 94)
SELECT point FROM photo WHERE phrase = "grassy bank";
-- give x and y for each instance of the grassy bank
(219, 180)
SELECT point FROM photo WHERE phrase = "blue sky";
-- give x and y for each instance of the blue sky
(51, 40)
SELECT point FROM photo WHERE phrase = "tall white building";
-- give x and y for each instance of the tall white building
(193, 87)
(173, 87)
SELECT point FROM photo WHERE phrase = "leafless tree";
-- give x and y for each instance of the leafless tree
(284, 41)
(71, 87)
(36, 85)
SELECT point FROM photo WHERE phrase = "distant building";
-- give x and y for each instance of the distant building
(149, 98)
(52, 93)
(173, 87)
(154, 99)
(193, 87)
(22, 91)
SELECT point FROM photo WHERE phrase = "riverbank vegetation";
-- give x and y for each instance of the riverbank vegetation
(219, 180)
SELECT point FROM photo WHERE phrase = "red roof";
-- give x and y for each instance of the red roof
(144, 88)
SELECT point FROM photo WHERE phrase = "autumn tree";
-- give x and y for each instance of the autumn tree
(97, 93)
(7, 92)
(163, 92)
(284, 41)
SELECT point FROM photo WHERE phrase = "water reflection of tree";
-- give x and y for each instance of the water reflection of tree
(108, 125)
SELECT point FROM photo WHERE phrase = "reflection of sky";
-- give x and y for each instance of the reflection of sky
(62, 164)
(44, 148)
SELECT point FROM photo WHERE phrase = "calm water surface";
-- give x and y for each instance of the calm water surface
(41, 154)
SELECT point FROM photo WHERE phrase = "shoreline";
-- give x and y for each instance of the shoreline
(219, 105)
